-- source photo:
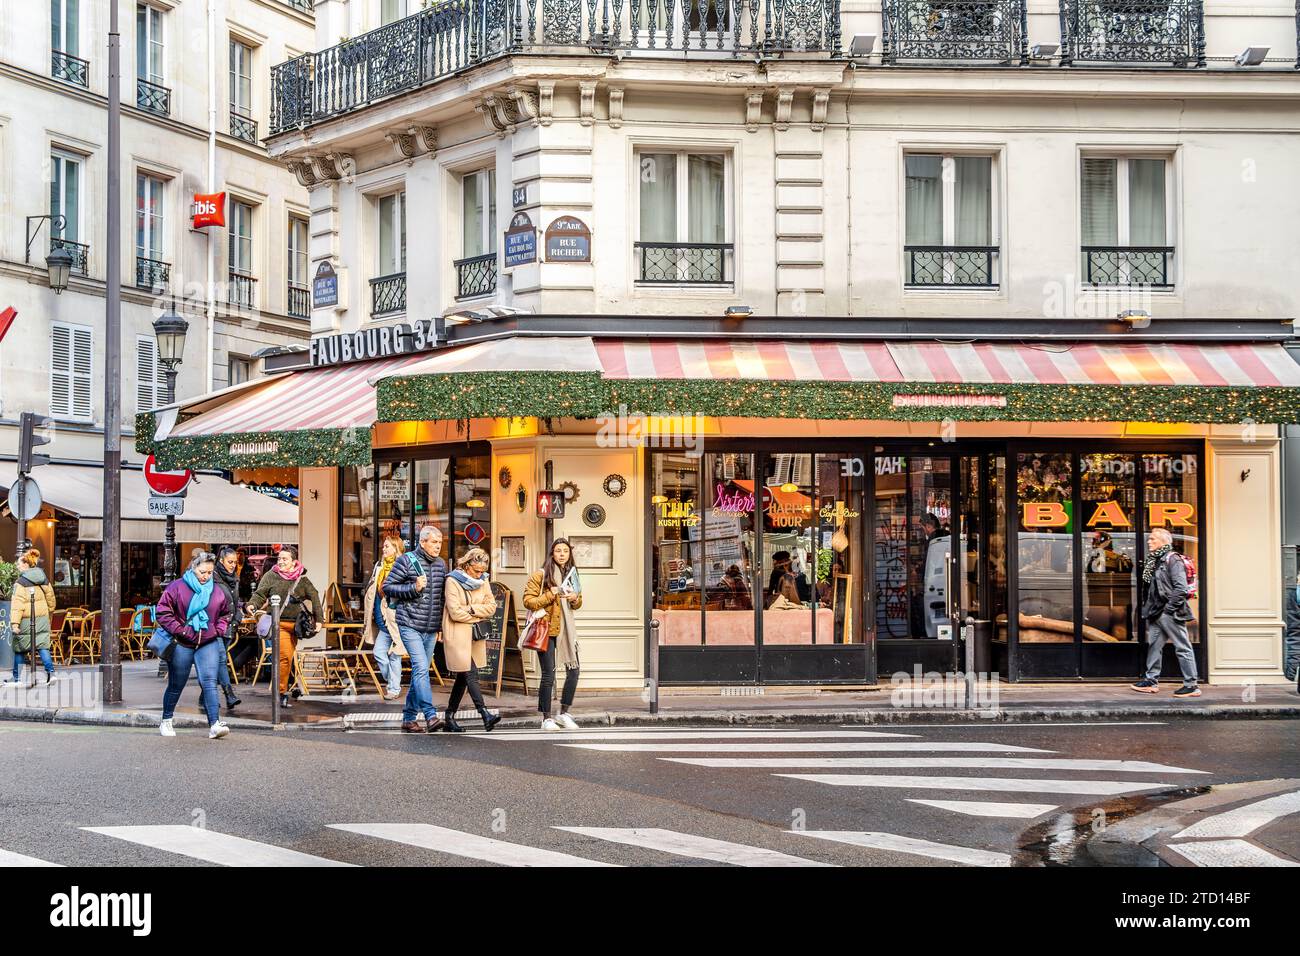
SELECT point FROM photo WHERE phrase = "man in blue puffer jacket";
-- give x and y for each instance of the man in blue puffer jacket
(414, 587)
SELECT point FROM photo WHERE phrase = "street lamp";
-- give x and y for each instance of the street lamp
(59, 265)
(169, 330)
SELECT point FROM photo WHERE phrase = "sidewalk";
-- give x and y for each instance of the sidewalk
(75, 700)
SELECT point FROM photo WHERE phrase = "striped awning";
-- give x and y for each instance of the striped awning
(1248, 365)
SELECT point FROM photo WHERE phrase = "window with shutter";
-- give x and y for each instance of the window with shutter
(150, 382)
(71, 371)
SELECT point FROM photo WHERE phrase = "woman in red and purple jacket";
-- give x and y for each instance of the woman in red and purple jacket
(195, 613)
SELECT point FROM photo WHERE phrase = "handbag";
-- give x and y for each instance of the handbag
(537, 633)
(162, 644)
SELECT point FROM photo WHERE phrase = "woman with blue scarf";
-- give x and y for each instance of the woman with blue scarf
(468, 602)
(195, 613)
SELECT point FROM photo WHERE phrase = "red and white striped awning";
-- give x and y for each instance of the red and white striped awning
(1252, 365)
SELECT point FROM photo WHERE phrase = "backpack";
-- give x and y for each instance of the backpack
(1190, 567)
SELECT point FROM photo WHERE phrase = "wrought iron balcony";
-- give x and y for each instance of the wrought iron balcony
(955, 30)
(242, 291)
(151, 274)
(954, 267)
(69, 68)
(1149, 266)
(388, 293)
(152, 97)
(475, 276)
(79, 251)
(452, 35)
(299, 301)
(306, 6)
(703, 263)
(1133, 31)
(243, 127)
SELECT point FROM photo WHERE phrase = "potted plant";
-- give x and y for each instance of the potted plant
(8, 575)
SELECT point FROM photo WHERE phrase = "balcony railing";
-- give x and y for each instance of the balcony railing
(1149, 266)
(953, 267)
(69, 68)
(452, 35)
(955, 30)
(243, 127)
(151, 274)
(388, 293)
(305, 6)
(299, 301)
(476, 276)
(152, 97)
(683, 262)
(79, 251)
(1133, 31)
(242, 291)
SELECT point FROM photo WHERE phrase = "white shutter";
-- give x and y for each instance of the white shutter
(61, 371)
(147, 393)
(83, 362)
(72, 355)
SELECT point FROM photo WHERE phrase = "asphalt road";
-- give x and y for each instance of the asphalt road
(998, 794)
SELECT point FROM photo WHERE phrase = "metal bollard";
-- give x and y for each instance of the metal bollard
(654, 667)
(275, 659)
(968, 633)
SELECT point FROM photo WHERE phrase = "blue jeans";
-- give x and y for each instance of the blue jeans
(419, 699)
(208, 661)
(45, 659)
(389, 661)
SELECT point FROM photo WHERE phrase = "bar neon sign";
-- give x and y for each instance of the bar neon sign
(1053, 514)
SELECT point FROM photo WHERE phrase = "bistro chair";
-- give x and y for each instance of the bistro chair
(295, 668)
(57, 621)
(141, 629)
(86, 641)
(125, 636)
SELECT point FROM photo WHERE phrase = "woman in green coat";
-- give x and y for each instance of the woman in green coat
(29, 617)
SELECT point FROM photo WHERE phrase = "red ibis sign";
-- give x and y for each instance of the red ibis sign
(166, 483)
(209, 210)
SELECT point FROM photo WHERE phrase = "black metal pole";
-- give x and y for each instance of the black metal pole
(111, 562)
(548, 483)
(32, 654)
(169, 535)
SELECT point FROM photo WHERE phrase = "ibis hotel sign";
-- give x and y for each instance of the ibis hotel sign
(403, 338)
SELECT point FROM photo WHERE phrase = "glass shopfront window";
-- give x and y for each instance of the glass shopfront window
(393, 484)
(1170, 484)
(473, 495)
(727, 531)
(357, 546)
(677, 554)
(1045, 547)
(1108, 492)
(433, 499)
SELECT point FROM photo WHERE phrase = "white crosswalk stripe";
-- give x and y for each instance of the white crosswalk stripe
(212, 847)
(468, 845)
(979, 808)
(1228, 853)
(8, 858)
(902, 844)
(631, 735)
(697, 847)
(779, 748)
(1243, 821)
(920, 763)
(1010, 784)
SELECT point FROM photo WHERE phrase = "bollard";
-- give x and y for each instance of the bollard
(968, 634)
(274, 636)
(654, 667)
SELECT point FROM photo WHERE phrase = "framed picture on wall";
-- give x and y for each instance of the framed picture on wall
(512, 553)
(592, 551)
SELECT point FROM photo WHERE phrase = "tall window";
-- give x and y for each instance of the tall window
(241, 237)
(1125, 220)
(241, 78)
(297, 251)
(479, 212)
(150, 381)
(65, 195)
(949, 232)
(392, 234)
(682, 235)
(238, 370)
(150, 192)
(65, 26)
(149, 44)
(72, 354)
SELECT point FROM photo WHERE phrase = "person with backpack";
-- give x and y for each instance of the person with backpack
(1168, 582)
(415, 585)
(33, 603)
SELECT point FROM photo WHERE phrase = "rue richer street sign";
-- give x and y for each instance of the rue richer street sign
(568, 240)
(166, 507)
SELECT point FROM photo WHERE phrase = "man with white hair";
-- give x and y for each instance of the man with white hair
(1166, 609)
(415, 587)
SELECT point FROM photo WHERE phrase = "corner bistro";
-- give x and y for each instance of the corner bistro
(813, 502)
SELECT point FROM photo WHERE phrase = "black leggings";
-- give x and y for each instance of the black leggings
(547, 689)
(463, 680)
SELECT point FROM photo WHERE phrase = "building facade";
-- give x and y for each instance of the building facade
(1003, 291)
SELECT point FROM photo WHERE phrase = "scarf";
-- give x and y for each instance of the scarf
(231, 581)
(196, 615)
(385, 565)
(465, 581)
(1152, 562)
(293, 575)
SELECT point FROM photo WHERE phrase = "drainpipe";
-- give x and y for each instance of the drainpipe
(212, 187)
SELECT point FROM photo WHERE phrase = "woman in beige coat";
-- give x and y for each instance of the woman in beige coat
(467, 600)
(381, 620)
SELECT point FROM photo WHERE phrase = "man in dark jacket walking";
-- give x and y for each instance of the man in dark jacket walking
(415, 587)
(1164, 580)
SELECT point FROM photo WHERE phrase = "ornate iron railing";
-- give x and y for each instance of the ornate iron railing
(243, 127)
(1133, 31)
(960, 30)
(476, 276)
(1128, 266)
(388, 294)
(79, 251)
(951, 266)
(69, 68)
(151, 274)
(683, 262)
(306, 6)
(299, 301)
(152, 97)
(453, 35)
(242, 291)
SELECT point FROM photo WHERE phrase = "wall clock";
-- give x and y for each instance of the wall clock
(615, 485)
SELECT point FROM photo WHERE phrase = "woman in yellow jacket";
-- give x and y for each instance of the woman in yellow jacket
(467, 601)
(557, 589)
(30, 615)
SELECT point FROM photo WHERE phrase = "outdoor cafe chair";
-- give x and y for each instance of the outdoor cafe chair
(57, 621)
(86, 640)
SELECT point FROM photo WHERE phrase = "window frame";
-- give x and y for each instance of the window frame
(157, 230)
(948, 217)
(1122, 210)
(232, 361)
(394, 264)
(73, 329)
(61, 7)
(682, 154)
(245, 59)
(60, 158)
(486, 179)
(153, 20)
(297, 256)
(234, 236)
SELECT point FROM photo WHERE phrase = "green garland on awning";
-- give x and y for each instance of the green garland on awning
(323, 447)
(587, 395)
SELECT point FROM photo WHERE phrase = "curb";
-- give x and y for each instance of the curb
(117, 718)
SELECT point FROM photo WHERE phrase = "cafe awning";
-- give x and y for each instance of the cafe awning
(216, 512)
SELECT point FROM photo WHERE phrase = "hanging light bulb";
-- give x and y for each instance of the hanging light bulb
(475, 503)
(789, 487)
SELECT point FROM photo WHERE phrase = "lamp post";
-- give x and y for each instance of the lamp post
(59, 262)
(110, 578)
(169, 330)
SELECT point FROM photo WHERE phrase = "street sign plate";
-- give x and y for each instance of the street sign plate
(25, 499)
(165, 507)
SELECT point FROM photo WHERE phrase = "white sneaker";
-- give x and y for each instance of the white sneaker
(567, 722)
(549, 724)
(166, 729)
(218, 730)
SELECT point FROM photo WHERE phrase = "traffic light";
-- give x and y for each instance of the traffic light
(29, 438)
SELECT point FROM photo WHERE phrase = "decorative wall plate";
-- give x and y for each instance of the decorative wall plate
(504, 477)
(571, 492)
(593, 516)
(615, 485)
